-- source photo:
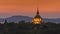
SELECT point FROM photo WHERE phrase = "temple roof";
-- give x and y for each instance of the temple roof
(37, 14)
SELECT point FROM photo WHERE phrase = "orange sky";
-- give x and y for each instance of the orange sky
(47, 8)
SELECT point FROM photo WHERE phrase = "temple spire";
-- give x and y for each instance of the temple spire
(37, 11)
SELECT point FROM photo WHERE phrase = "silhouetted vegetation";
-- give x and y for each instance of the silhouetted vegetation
(28, 28)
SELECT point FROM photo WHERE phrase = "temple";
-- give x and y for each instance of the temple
(37, 19)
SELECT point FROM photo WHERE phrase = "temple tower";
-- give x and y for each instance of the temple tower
(37, 19)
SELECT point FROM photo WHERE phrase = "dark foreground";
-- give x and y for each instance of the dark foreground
(29, 28)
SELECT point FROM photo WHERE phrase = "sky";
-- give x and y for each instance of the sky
(47, 8)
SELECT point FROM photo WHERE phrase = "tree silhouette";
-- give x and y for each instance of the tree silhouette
(23, 27)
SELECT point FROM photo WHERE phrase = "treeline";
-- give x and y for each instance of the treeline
(23, 27)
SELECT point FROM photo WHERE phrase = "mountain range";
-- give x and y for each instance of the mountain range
(27, 19)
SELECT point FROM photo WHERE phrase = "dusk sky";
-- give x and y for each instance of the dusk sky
(47, 8)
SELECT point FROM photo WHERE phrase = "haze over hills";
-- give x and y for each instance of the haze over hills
(27, 19)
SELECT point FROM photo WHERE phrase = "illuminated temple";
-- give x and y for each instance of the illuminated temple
(37, 19)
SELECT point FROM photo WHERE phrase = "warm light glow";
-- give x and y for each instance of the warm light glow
(37, 20)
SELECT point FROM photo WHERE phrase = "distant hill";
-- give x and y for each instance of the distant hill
(19, 18)
(57, 20)
(27, 19)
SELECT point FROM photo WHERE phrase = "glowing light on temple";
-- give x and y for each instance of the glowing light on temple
(37, 19)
